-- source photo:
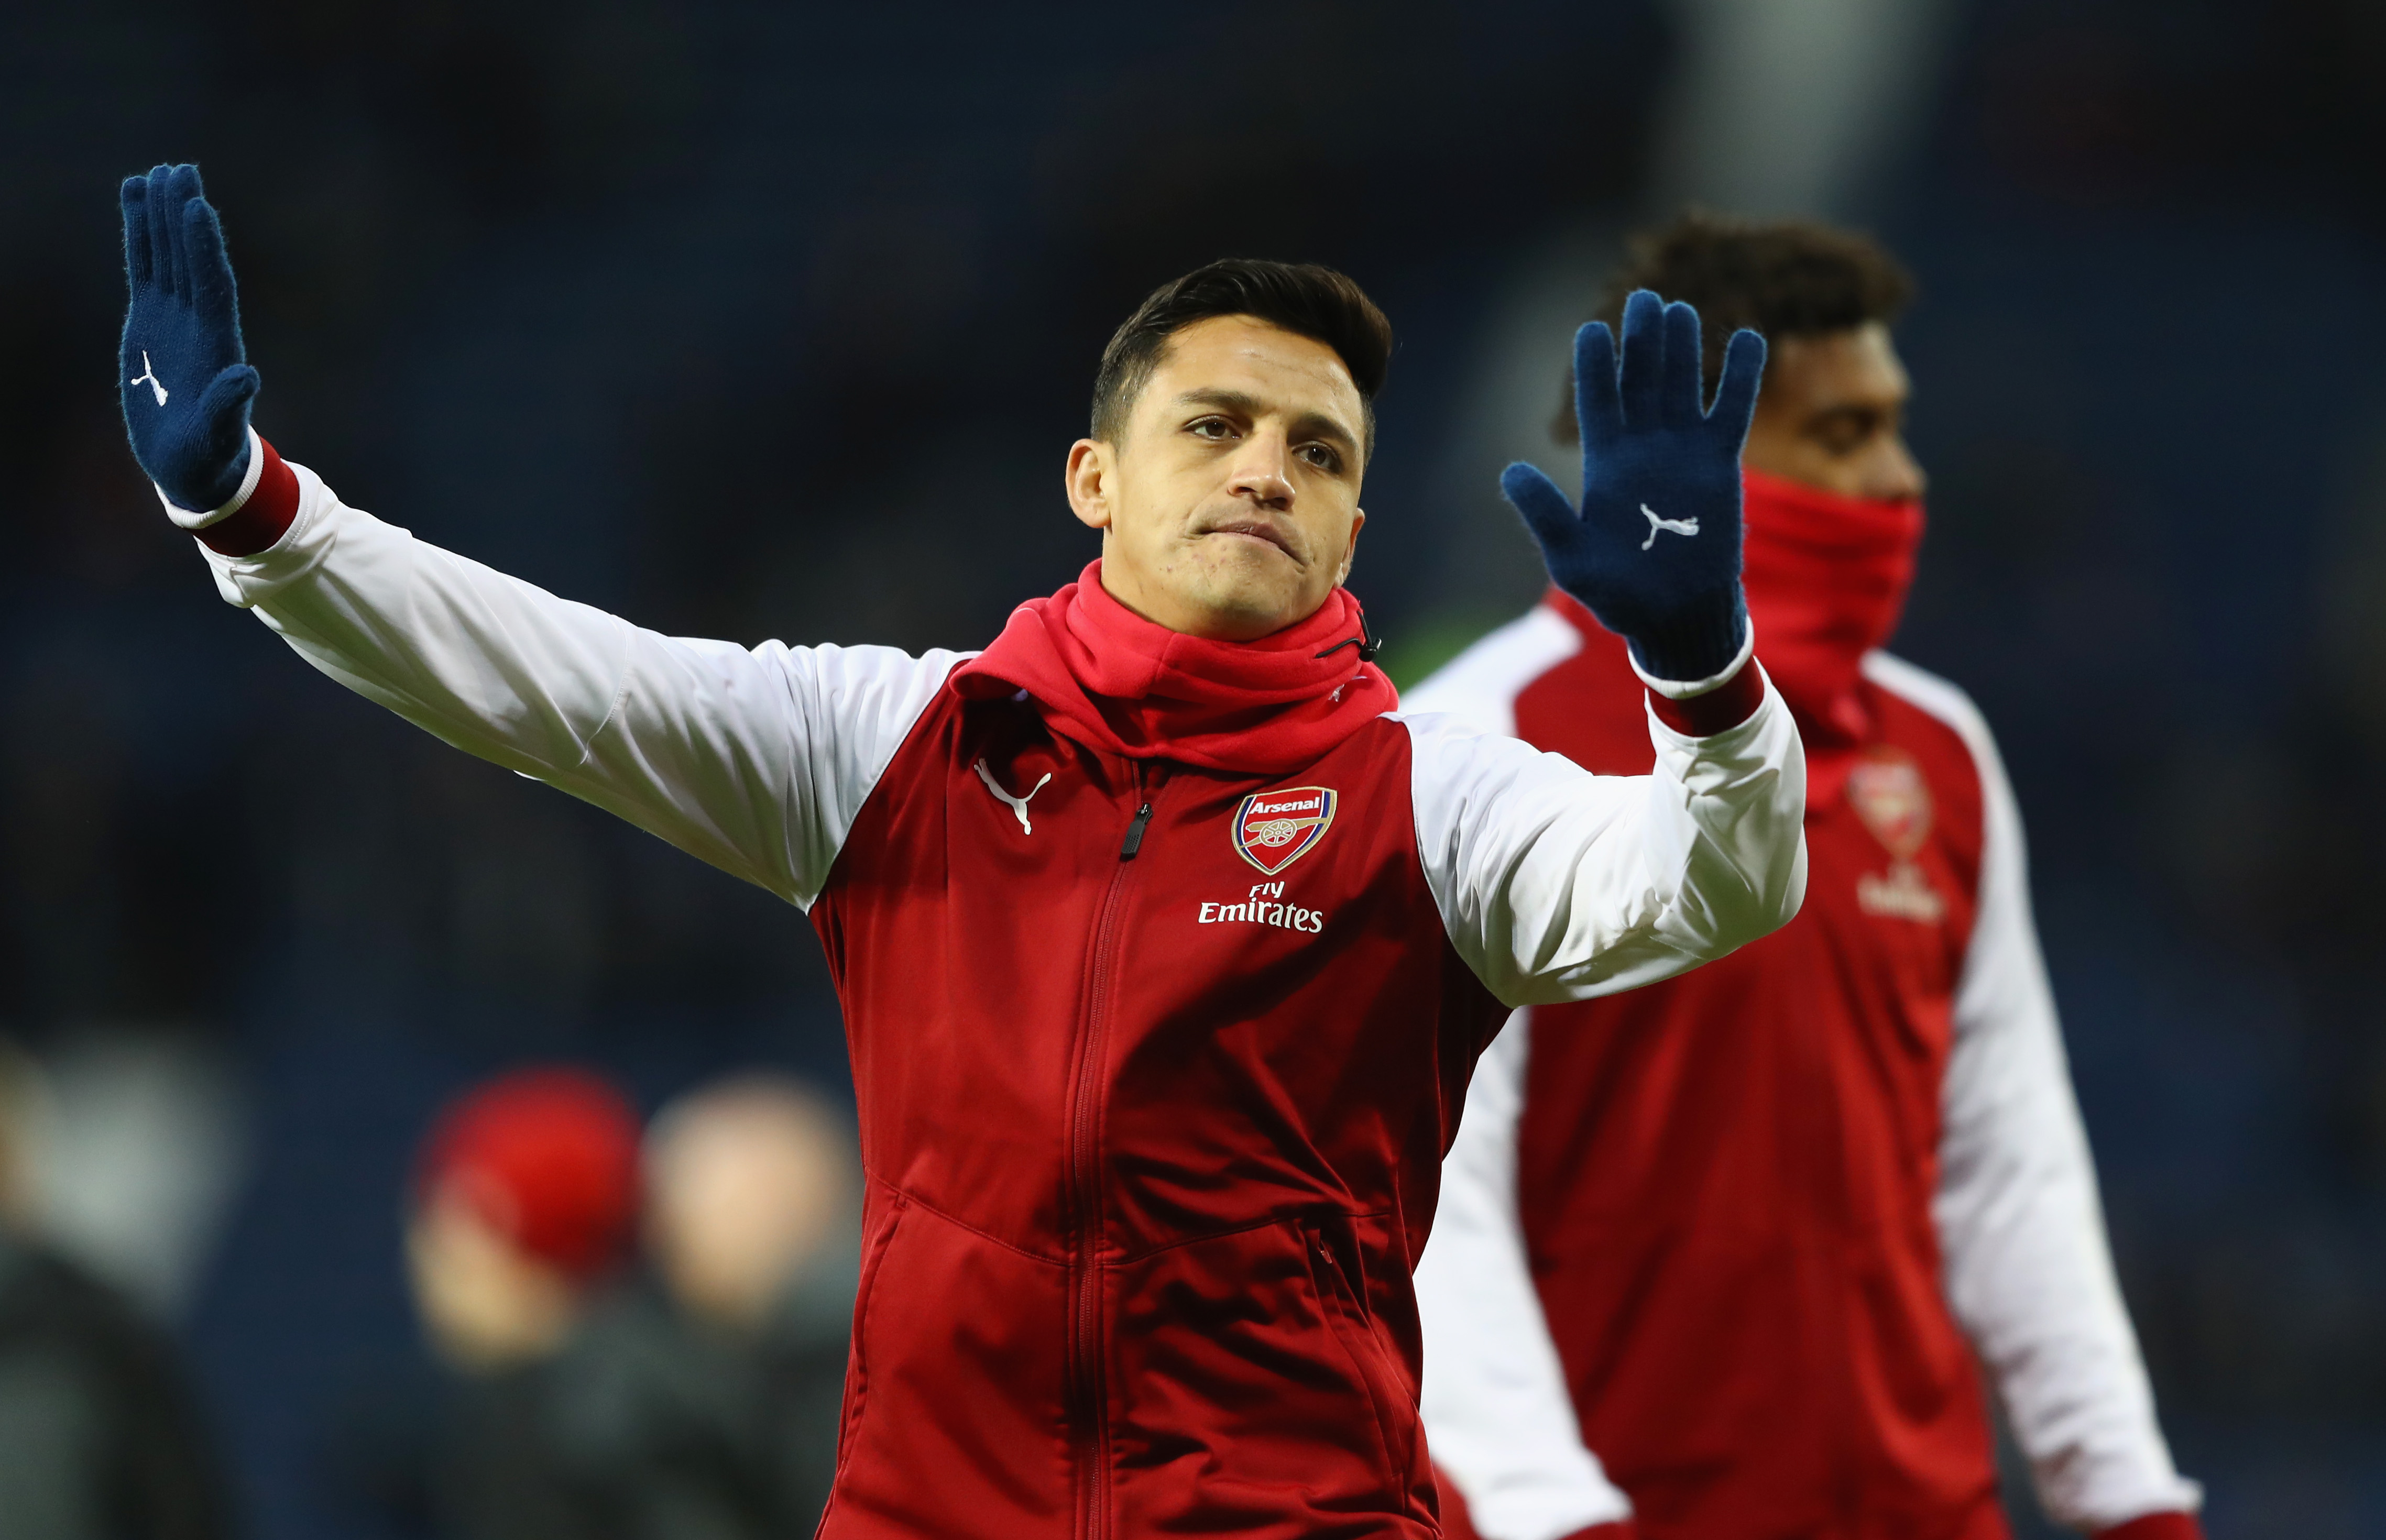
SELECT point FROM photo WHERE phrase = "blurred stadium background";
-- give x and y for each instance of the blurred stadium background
(758, 320)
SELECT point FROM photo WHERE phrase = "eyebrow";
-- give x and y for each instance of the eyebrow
(1851, 411)
(1308, 425)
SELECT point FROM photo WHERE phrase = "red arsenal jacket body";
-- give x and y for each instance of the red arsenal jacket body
(1156, 1065)
(1153, 1139)
(1738, 1244)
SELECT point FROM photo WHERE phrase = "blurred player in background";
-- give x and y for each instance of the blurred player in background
(1166, 948)
(524, 1207)
(100, 1436)
(755, 1233)
(1740, 1243)
(709, 1399)
(699, 1401)
(524, 1204)
(753, 1194)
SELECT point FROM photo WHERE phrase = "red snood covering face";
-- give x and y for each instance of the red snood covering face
(1826, 578)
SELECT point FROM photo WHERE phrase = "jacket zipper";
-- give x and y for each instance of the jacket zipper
(1091, 1411)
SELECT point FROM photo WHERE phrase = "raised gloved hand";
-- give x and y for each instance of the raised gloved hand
(185, 376)
(1654, 552)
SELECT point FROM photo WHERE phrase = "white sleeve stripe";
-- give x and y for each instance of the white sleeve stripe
(1497, 1415)
(2021, 1230)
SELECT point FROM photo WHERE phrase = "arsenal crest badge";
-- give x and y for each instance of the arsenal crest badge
(1887, 790)
(1274, 829)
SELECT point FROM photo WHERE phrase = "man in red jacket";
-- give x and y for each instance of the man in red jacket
(1734, 1244)
(1166, 944)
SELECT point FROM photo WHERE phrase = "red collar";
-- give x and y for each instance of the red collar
(1106, 677)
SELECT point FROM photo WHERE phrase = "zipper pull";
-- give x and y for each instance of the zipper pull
(1134, 840)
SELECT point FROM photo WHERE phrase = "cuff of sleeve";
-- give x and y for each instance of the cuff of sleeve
(1678, 689)
(2155, 1526)
(256, 517)
(186, 519)
(1622, 1529)
(1719, 709)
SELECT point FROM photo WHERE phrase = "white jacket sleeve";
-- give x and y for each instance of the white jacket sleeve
(1558, 884)
(755, 760)
(1497, 1415)
(2020, 1227)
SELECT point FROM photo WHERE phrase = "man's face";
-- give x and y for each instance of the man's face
(1832, 415)
(487, 1303)
(741, 1194)
(1229, 505)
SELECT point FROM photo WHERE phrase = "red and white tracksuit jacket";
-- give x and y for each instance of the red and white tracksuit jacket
(1734, 1242)
(1153, 1126)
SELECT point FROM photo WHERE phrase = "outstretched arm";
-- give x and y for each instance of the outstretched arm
(1556, 884)
(754, 761)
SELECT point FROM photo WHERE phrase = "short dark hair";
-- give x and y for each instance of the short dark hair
(1783, 277)
(1302, 297)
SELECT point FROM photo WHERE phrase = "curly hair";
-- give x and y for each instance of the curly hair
(1782, 277)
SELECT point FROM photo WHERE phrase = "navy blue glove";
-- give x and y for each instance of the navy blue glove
(1655, 551)
(185, 376)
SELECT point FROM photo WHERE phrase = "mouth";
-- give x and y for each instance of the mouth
(1255, 529)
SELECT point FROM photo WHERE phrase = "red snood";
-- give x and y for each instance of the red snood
(1108, 678)
(1826, 578)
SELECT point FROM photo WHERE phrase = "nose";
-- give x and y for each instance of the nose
(1263, 470)
(1897, 474)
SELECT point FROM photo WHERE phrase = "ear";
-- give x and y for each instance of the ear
(1351, 552)
(1091, 478)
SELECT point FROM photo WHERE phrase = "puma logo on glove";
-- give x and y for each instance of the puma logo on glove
(1674, 526)
(149, 375)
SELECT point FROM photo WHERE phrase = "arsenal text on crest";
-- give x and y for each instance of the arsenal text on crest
(1274, 829)
(1887, 790)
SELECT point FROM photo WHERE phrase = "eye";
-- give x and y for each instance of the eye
(1322, 455)
(1844, 433)
(1217, 430)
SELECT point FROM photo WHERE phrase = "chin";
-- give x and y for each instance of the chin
(1249, 609)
